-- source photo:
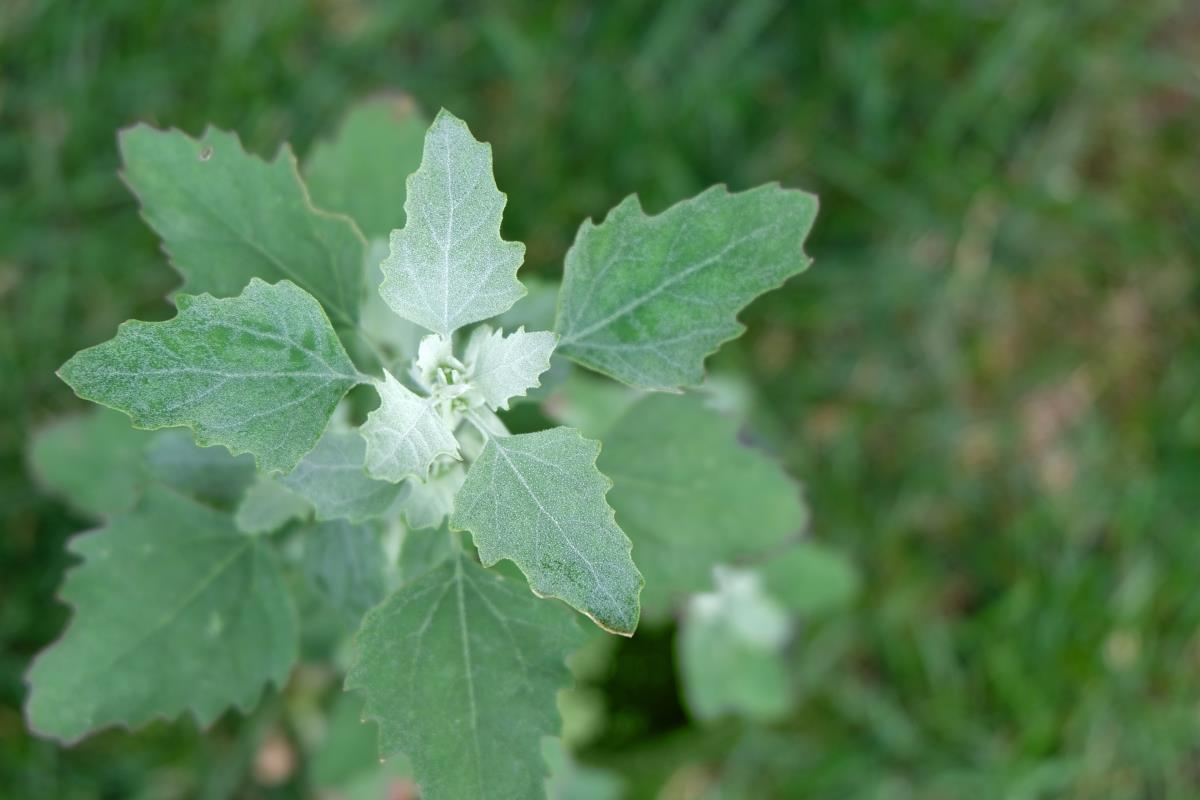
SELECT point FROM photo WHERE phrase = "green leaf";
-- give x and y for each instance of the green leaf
(502, 367)
(397, 337)
(226, 217)
(347, 562)
(94, 460)
(209, 474)
(645, 299)
(691, 496)
(460, 669)
(538, 499)
(175, 610)
(259, 373)
(431, 501)
(268, 505)
(731, 651)
(449, 267)
(361, 171)
(422, 550)
(333, 478)
(810, 579)
(405, 434)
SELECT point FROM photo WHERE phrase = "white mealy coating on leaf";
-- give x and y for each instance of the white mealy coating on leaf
(501, 367)
(538, 499)
(405, 434)
(449, 267)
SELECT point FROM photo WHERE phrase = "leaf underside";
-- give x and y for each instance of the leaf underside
(449, 267)
(175, 610)
(259, 373)
(225, 217)
(538, 499)
(460, 669)
(645, 299)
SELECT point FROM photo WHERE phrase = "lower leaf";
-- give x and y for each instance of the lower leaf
(175, 610)
(460, 668)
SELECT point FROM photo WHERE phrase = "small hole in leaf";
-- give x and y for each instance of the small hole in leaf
(206, 154)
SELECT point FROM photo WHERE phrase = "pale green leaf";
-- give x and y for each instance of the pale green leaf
(502, 367)
(334, 479)
(405, 434)
(210, 474)
(175, 610)
(538, 499)
(429, 502)
(396, 338)
(731, 651)
(93, 460)
(347, 563)
(645, 299)
(690, 495)
(226, 217)
(449, 267)
(460, 669)
(535, 311)
(810, 579)
(423, 550)
(258, 373)
(361, 171)
(268, 505)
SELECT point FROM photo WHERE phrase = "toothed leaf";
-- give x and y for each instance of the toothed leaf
(460, 668)
(259, 373)
(449, 267)
(645, 299)
(538, 499)
(502, 367)
(175, 610)
(405, 434)
(226, 216)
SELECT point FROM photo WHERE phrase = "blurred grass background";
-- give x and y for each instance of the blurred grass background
(989, 381)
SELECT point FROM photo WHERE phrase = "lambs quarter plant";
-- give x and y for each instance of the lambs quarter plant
(185, 600)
